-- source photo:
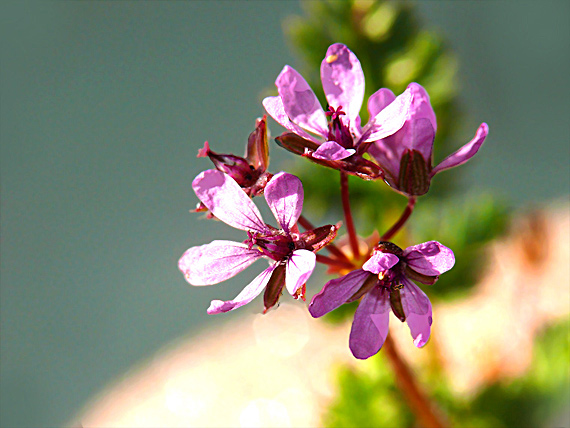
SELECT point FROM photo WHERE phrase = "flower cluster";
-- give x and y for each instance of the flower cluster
(395, 145)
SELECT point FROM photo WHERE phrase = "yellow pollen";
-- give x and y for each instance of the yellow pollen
(381, 276)
(331, 58)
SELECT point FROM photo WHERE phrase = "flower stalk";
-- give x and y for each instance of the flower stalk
(419, 403)
(401, 221)
(352, 237)
(334, 262)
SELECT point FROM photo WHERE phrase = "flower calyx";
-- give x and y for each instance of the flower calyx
(250, 171)
(353, 165)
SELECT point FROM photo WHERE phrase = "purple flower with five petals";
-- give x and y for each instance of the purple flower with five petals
(385, 281)
(406, 156)
(291, 253)
(335, 138)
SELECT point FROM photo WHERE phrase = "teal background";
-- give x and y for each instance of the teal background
(103, 108)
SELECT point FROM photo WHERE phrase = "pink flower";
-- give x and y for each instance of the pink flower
(406, 156)
(248, 171)
(337, 141)
(291, 253)
(385, 282)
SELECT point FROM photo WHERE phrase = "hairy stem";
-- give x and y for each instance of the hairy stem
(419, 403)
(334, 262)
(307, 225)
(353, 239)
(401, 221)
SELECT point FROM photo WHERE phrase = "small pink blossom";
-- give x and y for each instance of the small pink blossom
(385, 281)
(250, 171)
(291, 253)
(334, 138)
(406, 156)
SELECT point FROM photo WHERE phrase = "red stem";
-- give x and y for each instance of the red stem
(307, 225)
(401, 221)
(352, 237)
(418, 402)
(333, 262)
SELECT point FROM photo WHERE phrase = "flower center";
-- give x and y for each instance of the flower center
(338, 130)
(277, 245)
(391, 278)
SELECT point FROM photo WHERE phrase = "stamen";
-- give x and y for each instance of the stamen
(334, 114)
(397, 286)
(250, 241)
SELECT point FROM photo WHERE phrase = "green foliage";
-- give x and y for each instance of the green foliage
(464, 224)
(369, 396)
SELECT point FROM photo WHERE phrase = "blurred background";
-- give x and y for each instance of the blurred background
(103, 108)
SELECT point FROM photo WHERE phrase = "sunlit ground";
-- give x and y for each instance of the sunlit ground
(278, 369)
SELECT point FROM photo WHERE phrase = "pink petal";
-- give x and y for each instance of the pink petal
(388, 153)
(227, 201)
(215, 262)
(370, 325)
(331, 150)
(343, 80)
(336, 292)
(420, 326)
(430, 258)
(284, 195)
(464, 153)
(250, 292)
(300, 102)
(299, 268)
(380, 262)
(274, 106)
(416, 134)
(379, 100)
(414, 300)
(421, 107)
(390, 119)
